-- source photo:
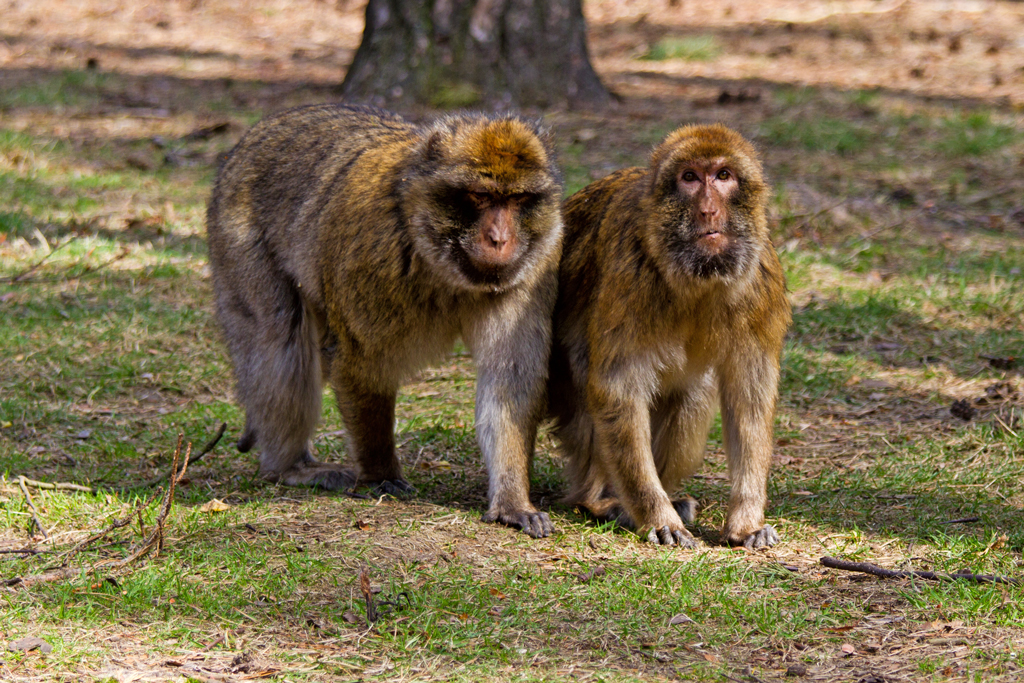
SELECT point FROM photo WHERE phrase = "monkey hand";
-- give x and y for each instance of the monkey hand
(764, 537)
(533, 523)
(666, 535)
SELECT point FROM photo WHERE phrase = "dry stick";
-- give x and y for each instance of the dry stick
(810, 217)
(155, 539)
(55, 486)
(156, 536)
(116, 524)
(24, 551)
(35, 266)
(62, 571)
(867, 568)
(32, 507)
(124, 253)
(206, 449)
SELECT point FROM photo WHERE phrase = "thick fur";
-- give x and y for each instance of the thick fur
(341, 245)
(652, 334)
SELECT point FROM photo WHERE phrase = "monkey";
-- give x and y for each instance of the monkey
(671, 303)
(350, 246)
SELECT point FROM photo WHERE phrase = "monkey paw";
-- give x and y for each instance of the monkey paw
(533, 523)
(326, 477)
(687, 509)
(668, 536)
(762, 538)
(399, 488)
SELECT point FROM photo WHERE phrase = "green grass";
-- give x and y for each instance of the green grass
(975, 134)
(817, 135)
(109, 350)
(690, 48)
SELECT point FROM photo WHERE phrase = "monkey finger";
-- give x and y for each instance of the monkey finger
(535, 524)
(684, 540)
(762, 538)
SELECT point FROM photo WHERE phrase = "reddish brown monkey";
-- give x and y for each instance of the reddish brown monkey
(671, 303)
(349, 245)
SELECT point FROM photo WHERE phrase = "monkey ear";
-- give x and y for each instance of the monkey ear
(433, 148)
(662, 164)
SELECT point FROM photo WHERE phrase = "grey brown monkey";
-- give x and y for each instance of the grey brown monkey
(350, 246)
(671, 303)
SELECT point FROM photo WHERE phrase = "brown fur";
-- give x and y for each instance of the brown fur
(351, 246)
(668, 303)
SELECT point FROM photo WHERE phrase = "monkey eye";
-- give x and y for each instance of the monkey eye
(689, 176)
(478, 199)
(724, 174)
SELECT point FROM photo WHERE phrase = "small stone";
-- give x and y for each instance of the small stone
(30, 643)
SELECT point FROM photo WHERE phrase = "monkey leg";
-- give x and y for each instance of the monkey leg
(748, 394)
(274, 346)
(511, 346)
(623, 428)
(369, 415)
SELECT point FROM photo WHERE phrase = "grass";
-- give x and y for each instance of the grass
(690, 48)
(109, 351)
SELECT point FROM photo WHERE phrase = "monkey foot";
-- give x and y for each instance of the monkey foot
(533, 523)
(687, 509)
(326, 477)
(667, 536)
(762, 538)
(399, 488)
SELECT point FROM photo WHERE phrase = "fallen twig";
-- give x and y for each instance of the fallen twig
(153, 543)
(116, 524)
(199, 456)
(55, 486)
(962, 520)
(867, 568)
(23, 551)
(32, 507)
(38, 264)
(124, 253)
(810, 217)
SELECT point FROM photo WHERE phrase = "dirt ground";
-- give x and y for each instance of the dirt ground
(946, 49)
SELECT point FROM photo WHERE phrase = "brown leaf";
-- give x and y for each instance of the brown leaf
(498, 594)
(848, 649)
(838, 629)
(215, 505)
(711, 658)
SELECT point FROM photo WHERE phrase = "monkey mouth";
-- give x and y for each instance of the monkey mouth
(713, 240)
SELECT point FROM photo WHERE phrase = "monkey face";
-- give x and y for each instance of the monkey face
(489, 211)
(700, 223)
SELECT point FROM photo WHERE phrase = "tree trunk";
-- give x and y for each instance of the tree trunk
(462, 53)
